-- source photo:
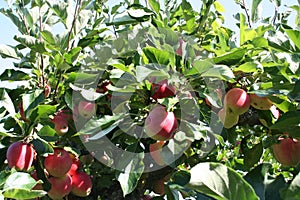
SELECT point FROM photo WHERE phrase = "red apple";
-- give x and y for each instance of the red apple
(76, 165)
(228, 119)
(287, 151)
(261, 103)
(162, 89)
(20, 155)
(60, 186)
(236, 101)
(86, 109)
(82, 184)
(160, 124)
(61, 125)
(58, 163)
(155, 152)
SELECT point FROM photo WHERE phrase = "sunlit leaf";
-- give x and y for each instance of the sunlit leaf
(8, 52)
(220, 182)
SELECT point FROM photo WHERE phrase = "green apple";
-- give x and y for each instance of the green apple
(260, 103)
(228, 119)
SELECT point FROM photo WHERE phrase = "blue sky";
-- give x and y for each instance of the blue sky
(231, 8)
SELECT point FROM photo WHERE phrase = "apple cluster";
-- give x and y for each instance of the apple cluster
(62, 169)
(160, 124)
(237, 101)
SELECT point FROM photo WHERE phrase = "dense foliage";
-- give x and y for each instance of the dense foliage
(100, 79)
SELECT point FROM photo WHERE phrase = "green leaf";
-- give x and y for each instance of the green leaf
(230, 58)
(293, 35)
(253, 155)
(19, 180)
(31, 100)
(46, 131)
(48, 37)
(256, 178)
(14, 75)
(132, 171)
(24, 193)
(264, 185)
(219, 71)
(104, 132)
(218, 6)
(158, 56)
(72, 56)
(199, 67)
(154, 5)
(254, 14)
(181, 177)
(42, 112)
(3, 176)
(288, 122)
(41, 146)
(122, 19)
(139, 12)
(295, 93)
(293, 191)
(249, 67)
(142, 72)
(260, 42)
(8, 52)
(7, 103)
(220, 182)
(97, 125)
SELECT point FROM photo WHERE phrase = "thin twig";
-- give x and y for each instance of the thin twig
(275, 15)
(244, 6)
(76, 12)
(24, 20)
(41, 56)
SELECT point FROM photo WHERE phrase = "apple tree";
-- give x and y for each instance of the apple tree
(150, 100)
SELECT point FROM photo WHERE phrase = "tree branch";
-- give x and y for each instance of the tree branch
(244, 6)
(76, 12)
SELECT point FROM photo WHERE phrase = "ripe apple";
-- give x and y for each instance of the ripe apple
(86, 109)
(236, 101)
(60, 186)
(160, 124)
(76, 165)
(58, 163)
(261, 103)
(20, 155)
(82, 184)
(155, 152)
(228, 119)
(162, 89)
(287, 151)
(61, 125)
